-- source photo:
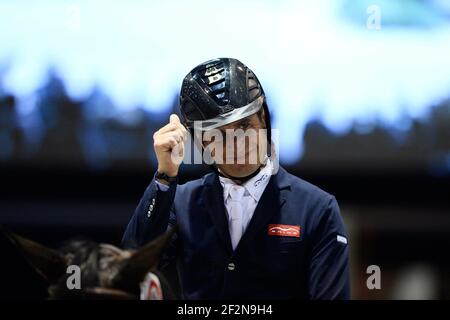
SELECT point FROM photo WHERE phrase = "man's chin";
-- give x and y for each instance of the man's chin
(240, 170)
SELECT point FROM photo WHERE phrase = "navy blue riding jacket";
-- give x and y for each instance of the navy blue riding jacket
(294, 247)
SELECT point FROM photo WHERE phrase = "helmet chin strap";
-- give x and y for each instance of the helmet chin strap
(241, 180)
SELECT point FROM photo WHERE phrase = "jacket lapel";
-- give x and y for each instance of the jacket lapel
(212, 199)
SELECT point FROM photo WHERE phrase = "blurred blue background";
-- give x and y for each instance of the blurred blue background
(360, 91)
(121, 64)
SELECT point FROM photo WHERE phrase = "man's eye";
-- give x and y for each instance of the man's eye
(244, 126)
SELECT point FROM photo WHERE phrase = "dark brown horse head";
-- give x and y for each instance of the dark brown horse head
(105, 271)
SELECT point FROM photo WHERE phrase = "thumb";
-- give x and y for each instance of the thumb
(174, 118)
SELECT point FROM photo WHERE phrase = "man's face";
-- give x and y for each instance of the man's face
(238, 148)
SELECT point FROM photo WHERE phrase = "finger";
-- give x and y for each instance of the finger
(167, 128)
(177, 134)
(178, 149)
(181, 129)
(166, 143)
(174, 119)
(185, 131)
(171, 127)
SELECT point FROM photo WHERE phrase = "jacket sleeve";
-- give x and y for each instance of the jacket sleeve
(329, 277)
(152, 217)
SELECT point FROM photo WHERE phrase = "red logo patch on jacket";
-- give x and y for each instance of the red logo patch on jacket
(283, 230)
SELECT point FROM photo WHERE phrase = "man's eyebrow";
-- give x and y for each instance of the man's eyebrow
(243, 121)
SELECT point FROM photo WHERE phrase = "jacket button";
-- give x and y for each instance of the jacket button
(231, 266)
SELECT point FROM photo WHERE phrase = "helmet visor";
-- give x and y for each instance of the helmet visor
(229, 117)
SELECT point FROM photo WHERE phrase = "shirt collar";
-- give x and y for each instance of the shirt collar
(255, 186)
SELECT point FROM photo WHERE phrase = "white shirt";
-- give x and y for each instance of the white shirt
(248, 194)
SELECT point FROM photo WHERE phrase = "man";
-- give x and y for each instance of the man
(248, 229)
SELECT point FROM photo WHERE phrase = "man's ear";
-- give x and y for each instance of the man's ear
(262, 117)
(47, 262)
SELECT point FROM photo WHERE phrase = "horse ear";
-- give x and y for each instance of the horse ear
(145, 259)
(47, 262)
